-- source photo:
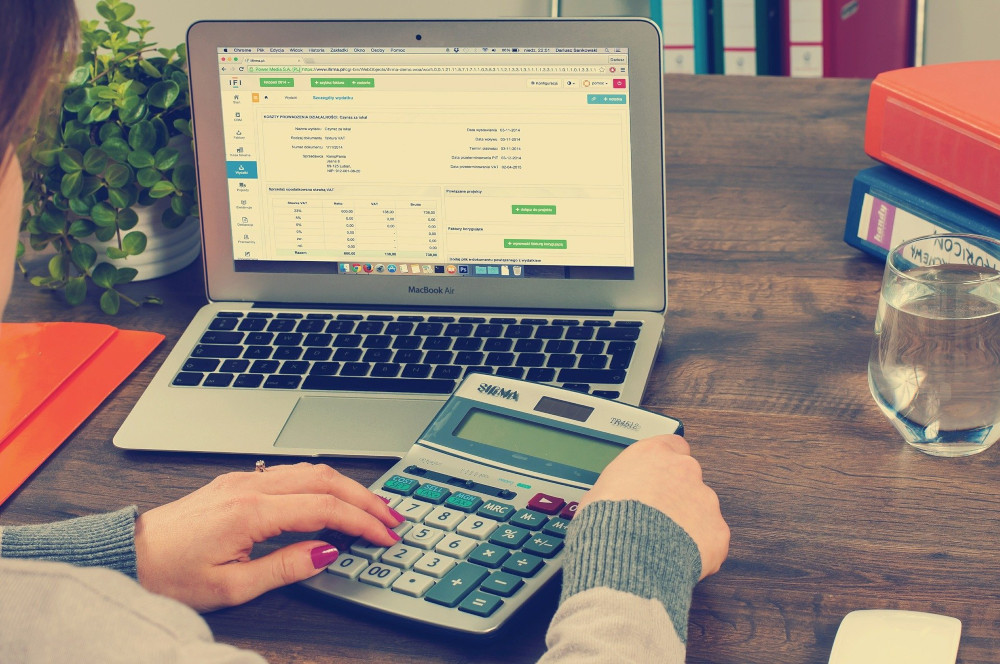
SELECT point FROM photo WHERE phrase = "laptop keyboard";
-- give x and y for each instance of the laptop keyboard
(406, 353)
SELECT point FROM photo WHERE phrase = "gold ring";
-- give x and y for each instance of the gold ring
(260, 467)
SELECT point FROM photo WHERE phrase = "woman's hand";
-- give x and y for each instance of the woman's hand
(197, 549)
(661, 472)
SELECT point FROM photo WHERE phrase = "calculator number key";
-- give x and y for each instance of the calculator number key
(444, 518)
(477, 527)
(402, 556)
(365, 549)
(379, 575)
(456, 546)
(347, 566)
(413, 510)
(435, 565)
(423, 537)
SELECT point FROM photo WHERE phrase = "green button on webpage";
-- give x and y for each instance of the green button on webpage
(266, 82)
(532, 209)
(342, 82)
(533, 244)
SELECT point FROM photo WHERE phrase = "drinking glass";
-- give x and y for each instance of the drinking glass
(934, 367)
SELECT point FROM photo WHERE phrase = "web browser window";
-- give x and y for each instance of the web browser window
(485, 161)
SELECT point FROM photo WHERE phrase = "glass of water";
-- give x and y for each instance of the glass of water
(934, 368)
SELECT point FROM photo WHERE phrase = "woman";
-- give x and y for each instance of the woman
(123, 585)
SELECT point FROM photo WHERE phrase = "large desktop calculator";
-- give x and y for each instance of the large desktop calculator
(488, 492)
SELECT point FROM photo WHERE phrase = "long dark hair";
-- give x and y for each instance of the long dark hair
(37, 40)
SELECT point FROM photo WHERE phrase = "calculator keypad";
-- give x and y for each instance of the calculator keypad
(458, 549)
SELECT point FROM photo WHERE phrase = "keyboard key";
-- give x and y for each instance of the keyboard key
(456, 584)
(432, 493)
(445, 518)
(549, 332)
(580, 333)
(558, 346)
(347, 566)
(310, 325)
(606, 394)
(349, 317)
(407, 356)
(618, 333)
(528, 519)
(223, 323)
(414, 585)
(218, 380)
(511, 537)
(510, 372)
(401, 556)
(556, 527)
(518, 331)
(317, 354)
(286, 353)
(456, 546)
(217, 351)
(610, 376)
(188, 378)
(584, 388)
(423, 537)
(282, 382)
(347, 354)
(434, 564)
(480, 604)
(234, 366)
(211, 337)
(369, 327)
(355, 369)
(377, 341)
(467, 343)
(523, 564)
(544, 546)
(399, 328)
(378, 574)
(502, 583)
(248, 380)
(530, 360)
(447, 371)
(401, 485)
(569, 511)
(407, 343)
(294, 367)
(317, 339)
(416, 371)
(469, 357)
(281, 325)
(466, 502)
(347, 340)
(264, 366)
(500, 359)
(386, 370)
(540, 375)
(438, 357)
(324, 368)
(367, 384)
(561, 360)
(259, 339)
(593, 361)
(367, 550)
(528, 345)
(496, 510)
(252, 324)
(288, 339)
(230, 314)
(498, 345)
(546, 504)
(490, 555)
(339, 327)
(414, 510)
(477, 527)
(200, 364)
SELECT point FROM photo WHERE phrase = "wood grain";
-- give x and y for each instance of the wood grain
(764, 360)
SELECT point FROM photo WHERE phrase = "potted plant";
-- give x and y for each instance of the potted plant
(117, 148)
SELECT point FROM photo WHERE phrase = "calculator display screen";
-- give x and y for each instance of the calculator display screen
(537, 440)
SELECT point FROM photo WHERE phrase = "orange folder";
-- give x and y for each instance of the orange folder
(52, 377)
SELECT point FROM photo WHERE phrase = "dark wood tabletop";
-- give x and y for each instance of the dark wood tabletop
(764, 360)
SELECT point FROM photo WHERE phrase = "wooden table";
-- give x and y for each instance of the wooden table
(764, 360)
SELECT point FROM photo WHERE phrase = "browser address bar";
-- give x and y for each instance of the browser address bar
(415, 69)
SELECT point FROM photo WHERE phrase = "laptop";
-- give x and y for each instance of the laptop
(387, 206)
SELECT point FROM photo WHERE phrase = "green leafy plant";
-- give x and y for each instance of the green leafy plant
(114, 144)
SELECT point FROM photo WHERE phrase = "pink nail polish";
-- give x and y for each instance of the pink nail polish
(384, 499)
(393, 534)
(399, 517)
(323, 555)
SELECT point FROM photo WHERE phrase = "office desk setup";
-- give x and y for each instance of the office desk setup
(764, 358)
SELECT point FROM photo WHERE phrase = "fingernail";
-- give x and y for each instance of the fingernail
(384, 499)
(322, 556)
(399, 517)
(393, 534)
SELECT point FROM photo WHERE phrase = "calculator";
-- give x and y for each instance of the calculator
(488, 492)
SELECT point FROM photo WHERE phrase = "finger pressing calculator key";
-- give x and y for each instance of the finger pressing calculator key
(488, 494)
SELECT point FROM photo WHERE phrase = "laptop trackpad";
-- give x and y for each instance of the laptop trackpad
(357, 426)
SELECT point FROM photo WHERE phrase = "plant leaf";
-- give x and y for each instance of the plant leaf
(71, 184)
(127, 218)
(105, 233)
(76, 290)
(142, 136)
(118, 198)
(124, 11)
(110, 302)
(166, 158)
(83, 256)
(103, 275)
(114, 253)
(103, 215)
(150, 69)
(58, 266)
(184, 177)
(70, 160)
(147, 177)
(161, 189)
(95, 161)
(134, 243)
(77, 100)
(78, 76)
(126, 274)
(116, 148)
(81, 228)
(141, 159)
(163, 94)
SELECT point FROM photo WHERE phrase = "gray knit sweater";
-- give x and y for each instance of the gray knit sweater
(628, 576)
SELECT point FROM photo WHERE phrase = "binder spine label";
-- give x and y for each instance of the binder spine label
(885, 225)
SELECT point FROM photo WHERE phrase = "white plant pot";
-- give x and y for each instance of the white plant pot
(167, 249)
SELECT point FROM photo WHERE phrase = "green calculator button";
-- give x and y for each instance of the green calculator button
(456, 584)
(465, 502)
(401, 485)
(432, 493)
(480, 604)
(495, 510)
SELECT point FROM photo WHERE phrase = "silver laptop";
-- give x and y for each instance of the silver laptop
(389, 205)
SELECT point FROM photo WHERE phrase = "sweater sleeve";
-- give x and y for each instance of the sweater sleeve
(627, 581)
(100, 540)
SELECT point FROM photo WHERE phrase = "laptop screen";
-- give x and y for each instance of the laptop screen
(507, 162)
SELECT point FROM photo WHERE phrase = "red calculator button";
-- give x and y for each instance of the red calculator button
(569, 511)
(545, 503)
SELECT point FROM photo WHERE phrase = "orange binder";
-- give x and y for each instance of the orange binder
(52, 377)
(941, 124)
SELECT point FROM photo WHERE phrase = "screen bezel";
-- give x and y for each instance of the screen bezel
(646, 292)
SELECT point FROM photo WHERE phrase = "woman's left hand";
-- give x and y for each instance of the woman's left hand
(197, 549)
